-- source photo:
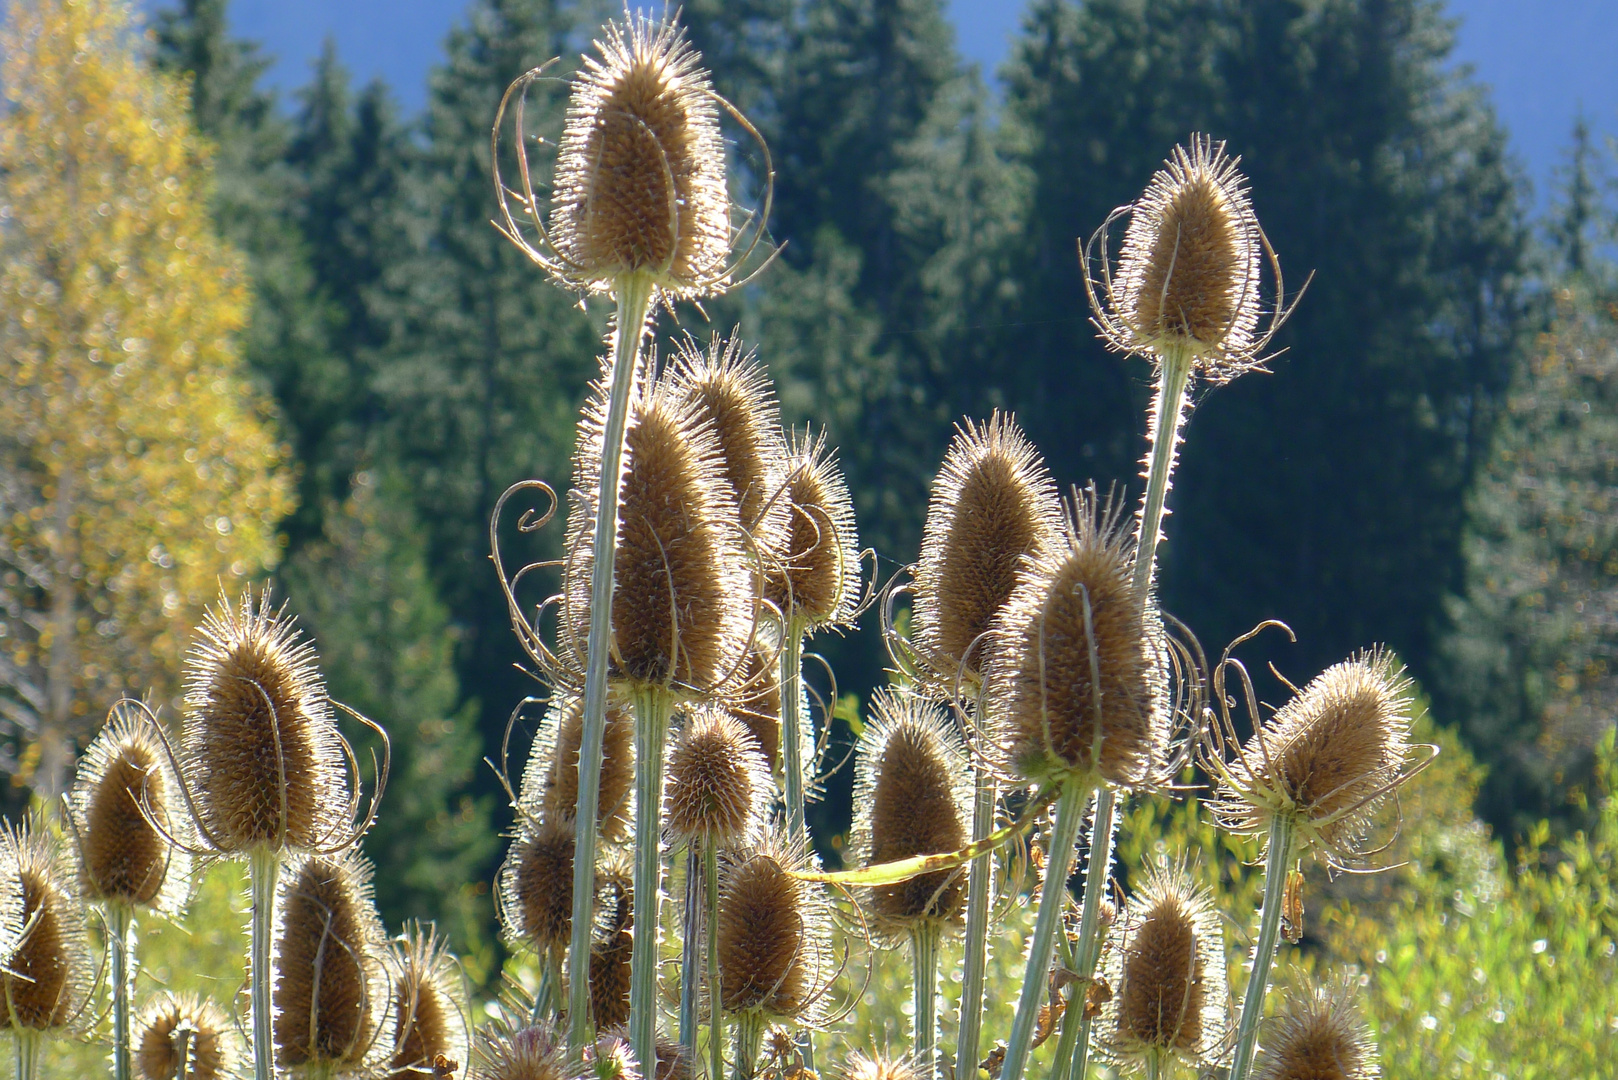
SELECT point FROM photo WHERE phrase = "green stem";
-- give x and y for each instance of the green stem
(550, 981)
(1073, 1026)
(30, 1049)
(1052, 898)
(749, 1040)
(1277, 862)
(1096, 873)
(182, 1047)
(263, 868)
(119, 945)
(634, 297)
(792, 764)
(1154, 1065)
(1168, 413)
(716, 1014)
(924, 985)
(652, 712)
(979, 900)
(691, 950)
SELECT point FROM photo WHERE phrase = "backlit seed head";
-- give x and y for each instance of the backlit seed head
(1318, 1035)
(816, 576)
(611, 944)
(259, 750)
(878, 1067)
(550, 785)
(774, 953)
(993, 505)
(1330, 757)
(640, 172)
(172, 1022)
(529, 1053)
(757, 701)
(535, 900)
(1167, 974)
(912, 796)
(672, 1063)
(429, 1006)
(330, 991)
(610, 1058)
(46, 982)
(718, 786)
(1074, 614)
(122, 858)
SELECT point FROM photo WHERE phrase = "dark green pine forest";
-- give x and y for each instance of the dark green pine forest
(1431, 463)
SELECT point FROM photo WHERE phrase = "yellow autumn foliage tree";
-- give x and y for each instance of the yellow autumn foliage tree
(139, 469)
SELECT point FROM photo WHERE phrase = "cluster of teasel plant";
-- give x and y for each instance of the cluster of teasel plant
(1038, 684)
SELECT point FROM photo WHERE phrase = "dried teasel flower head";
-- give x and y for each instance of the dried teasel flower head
(529, 1053)
(718, 786)
(1329, 758)
(429, 1006)
(550, 785)
(912, 796)
(1079, 671)
(682, 609)
(1167, 973)
(815, 580)
(774, 953)
(260, 754)
(1318, 1034)
(611, 944)
(534, 899)
(175, 1025)
(123, 809)
(1188, 275)
(756, 701)
(47, 982)
(330, 991)
(860, 1066)
(993, 505)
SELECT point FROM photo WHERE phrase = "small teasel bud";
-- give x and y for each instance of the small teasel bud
(993, 504)
(672, 1063)
(815, 580)
(611, 945)
(878, 1067)
(429, 1006)
(535, 898)
(912, 796)
(717, 785)
(330, 987)
(260, 753)
(1076, 616)
(184, 1024)
(529, 1053)
(610, 1058)
(46, 983)
(774, 955)
(550, 786)
(1318, 1034)
(1167, 976)
(757, 702)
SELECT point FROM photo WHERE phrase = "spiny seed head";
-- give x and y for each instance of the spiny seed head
(330, 993)
(682, 607)
(1167, 974)
(718, 785)
(672, 1063)
(530, 1053)
(912, 796)
(1330, 757)
(550, 786)
(260, 752)
(610, 1058)
(1318, 1035)
(878, 1067)
(198, 1025)
(814, 580)
(774, 955)
(611, 945)
(757, 701)
(123, 858)
(45, 984)
(993, 505)
(429, 1006)
(1075, 613)
(536, 885)
(640, 172)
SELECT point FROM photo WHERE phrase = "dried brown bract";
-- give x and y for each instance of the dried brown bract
(46, 984)
(815, 579)
(429, 1006)
(1318, 1035)
(774, 955)
(550, 786)
(535, 892)
(175, 1024)
(718, 786)
(878, 1067)
(912, 796)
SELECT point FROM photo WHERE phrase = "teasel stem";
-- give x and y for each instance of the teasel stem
(634, 296)
(749, 1039)
(182, 1067)
(792, 765)
(690, 950)
(1154, 1065)
(924, 963)
(979, 898)
(1052, 898)
(716, 1024)
(263, 870)
(1088, 951)
(652, 712)
(30, 1049)
(550, 981)
(1277, 861)
(119, 918)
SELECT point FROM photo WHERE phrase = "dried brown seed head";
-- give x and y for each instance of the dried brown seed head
(993, 504)
(815, 579)
(757, 702)
(530, 1053)
(330, 992)
(429, 1007)
(201, 1027)
(774, 956)
(611, 945)
(1076, 613)
(912, 796)
(536, 886)
(46, 983)
(1318, 1035)
(717, 786)
(123, 858)
(878, 1067)
(550, 786)
(260, 752)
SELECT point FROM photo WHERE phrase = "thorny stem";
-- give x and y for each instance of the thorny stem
(979, 899)
(716, 1024)
(182, 1063)
(1277, 861)
(118, 920)
(263, 868)
(924, 985)
(749, 1038)
(30, 1048)
(652, 712)
(792, 763)
(1088, 953)
(1052, 898)
(690, 949)
(634, 297)
(1168, 412)
(550, 982)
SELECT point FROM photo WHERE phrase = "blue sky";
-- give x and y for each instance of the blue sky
(1544, 59)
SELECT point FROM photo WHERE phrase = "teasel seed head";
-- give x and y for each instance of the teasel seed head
(815, 579)
(48, 978)
(993, 505)
(1167, 974)
(260, 753)
(1075, 613)
(757, 702)
(1330, 757)
(330, 990)
(550, 786)
(718, 786)
(535, 898)
(530, 1053)
(124, 779)
(201, 1027)
(611, 944)
(774, 953)
(912, 796)
(429, 1005)
(610, 1058)
(878, 1067)
(1318, 1034)
(672, 1064)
